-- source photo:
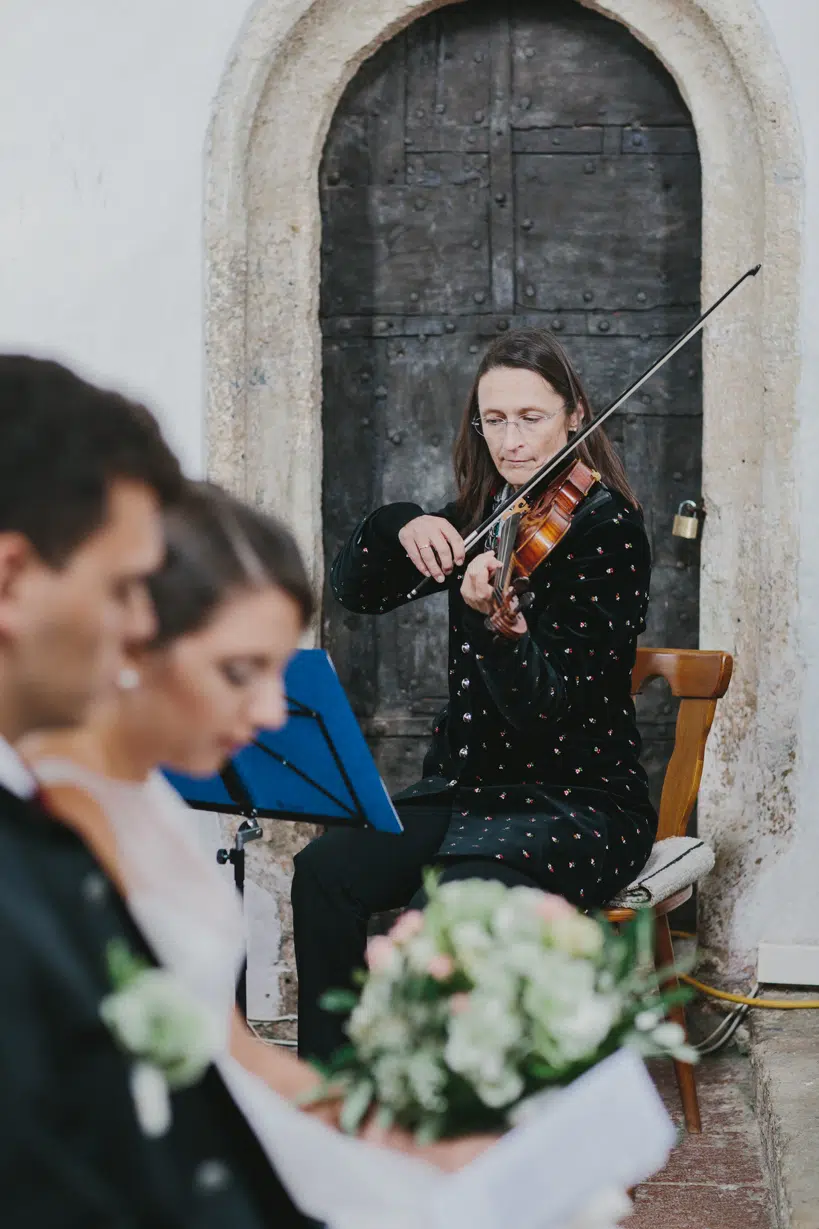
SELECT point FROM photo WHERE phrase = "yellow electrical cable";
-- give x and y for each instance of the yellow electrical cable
(773, 1004)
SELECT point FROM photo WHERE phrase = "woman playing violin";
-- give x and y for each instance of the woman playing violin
(532, 776)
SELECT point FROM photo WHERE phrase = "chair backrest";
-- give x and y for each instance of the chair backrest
(698, 677)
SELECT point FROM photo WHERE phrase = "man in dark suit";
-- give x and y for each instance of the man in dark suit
(84, 474)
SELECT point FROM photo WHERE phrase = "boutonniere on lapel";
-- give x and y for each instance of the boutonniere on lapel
(170, 1036)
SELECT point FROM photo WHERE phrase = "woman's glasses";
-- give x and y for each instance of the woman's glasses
(492, 427)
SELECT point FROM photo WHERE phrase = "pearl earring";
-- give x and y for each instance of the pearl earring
(128, 678)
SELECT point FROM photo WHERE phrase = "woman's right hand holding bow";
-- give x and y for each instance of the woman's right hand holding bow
(434, 546)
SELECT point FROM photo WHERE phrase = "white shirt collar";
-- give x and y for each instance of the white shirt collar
(13, 773)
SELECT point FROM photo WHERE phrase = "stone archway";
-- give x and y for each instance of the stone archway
(263, 353)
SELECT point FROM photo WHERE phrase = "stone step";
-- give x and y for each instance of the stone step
(785, 1062)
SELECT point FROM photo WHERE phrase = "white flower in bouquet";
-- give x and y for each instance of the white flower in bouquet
(666, 1038)
(483, 1042)
(488, 997)
(427, 1080)
(578, 935)
(570, 1015)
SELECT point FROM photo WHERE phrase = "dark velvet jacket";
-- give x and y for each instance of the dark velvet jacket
(72, 1155)
(537, 751)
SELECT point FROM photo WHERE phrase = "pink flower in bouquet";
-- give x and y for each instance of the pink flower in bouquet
(441, 967)
(407, 926)
(459, 1003)
(551, 908)
(380, 953)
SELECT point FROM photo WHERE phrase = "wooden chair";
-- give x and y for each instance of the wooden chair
(698, 678)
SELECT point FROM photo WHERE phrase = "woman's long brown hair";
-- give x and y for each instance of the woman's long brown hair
(539, 351)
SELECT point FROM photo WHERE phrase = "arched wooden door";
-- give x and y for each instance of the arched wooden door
(500, 165)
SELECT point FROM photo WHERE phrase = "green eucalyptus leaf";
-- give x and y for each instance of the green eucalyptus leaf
(338, 1001)
(355, 1106)
(123, 965)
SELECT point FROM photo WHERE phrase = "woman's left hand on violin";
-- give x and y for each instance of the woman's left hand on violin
(477, 589)
(477, 586)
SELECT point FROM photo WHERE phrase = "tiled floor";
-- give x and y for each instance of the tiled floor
(715, 1180)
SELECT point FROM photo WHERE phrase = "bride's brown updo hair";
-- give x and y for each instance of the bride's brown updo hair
(217, 546)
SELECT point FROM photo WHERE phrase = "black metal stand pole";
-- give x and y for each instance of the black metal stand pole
(249, 830)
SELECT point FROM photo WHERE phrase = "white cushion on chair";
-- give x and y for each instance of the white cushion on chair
(674, 864)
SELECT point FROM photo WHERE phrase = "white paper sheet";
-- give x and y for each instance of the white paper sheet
(606, 1132)
(602, 1135)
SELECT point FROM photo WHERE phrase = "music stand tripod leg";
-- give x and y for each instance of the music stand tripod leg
(249, 830)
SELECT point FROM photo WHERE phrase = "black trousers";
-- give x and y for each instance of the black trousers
(341, 879)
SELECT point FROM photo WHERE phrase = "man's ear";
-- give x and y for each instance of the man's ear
(17, 556)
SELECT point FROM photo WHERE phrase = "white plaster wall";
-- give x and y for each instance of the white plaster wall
(783, 906)
(105, 112)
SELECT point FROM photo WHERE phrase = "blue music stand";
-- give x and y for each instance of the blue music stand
(317, 769)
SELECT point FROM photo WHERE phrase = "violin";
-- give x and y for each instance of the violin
(528, 535)
(540, 489)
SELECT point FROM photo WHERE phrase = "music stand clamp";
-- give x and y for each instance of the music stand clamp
(249, 830)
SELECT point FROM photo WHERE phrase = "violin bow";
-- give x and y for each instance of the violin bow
(537, 481)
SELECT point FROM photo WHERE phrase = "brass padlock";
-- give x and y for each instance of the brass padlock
(687, 520)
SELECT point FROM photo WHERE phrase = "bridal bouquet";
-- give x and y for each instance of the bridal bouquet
(488, 997)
